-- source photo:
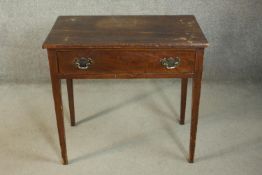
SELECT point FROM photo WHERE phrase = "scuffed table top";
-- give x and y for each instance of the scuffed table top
(126, 32)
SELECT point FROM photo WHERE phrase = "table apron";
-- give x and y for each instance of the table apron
(123, 76)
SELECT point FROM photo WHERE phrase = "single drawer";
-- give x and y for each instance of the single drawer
(116, 61)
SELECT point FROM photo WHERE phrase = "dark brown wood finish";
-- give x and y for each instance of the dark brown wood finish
(56, 87)
(70, 91)
(184, 82)
(125, 47)
(123, 61)
(195, 102)
(125, 32)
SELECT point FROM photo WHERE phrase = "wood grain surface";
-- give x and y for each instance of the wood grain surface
(106, 61)
(125, 47)
(125, 31)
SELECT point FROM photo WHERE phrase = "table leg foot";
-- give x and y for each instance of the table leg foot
(181, 122)
(190, 160)
(65, 162)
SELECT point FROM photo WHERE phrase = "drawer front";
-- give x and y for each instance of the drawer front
(102, 61)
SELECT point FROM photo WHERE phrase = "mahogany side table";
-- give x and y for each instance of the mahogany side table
(124, 47)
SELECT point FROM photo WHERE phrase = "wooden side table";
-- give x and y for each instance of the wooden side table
(117, 47)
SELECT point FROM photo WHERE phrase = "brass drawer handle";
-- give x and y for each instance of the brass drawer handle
(170, 62)
(83, 63)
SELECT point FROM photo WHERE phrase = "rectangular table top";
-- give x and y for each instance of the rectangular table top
(180, 31)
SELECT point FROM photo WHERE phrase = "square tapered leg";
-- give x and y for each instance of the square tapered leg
(70, 91)
(184, 82)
